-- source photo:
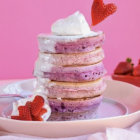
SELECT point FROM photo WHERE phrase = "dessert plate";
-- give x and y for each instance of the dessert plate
(120, 108)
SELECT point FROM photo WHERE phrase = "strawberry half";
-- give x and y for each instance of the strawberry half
(37, 105)
(100, 11)
(38, 117)
(24, 113)
(32, 110)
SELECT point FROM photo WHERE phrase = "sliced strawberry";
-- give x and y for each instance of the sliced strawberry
(16, 117)
(31, 110)
(43, 111)
(100, 11)
(37, 105)
(24, 112)
(38, 117)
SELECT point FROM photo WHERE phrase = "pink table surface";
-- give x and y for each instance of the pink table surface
(132, 133)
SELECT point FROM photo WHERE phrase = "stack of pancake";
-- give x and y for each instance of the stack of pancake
(69, 71)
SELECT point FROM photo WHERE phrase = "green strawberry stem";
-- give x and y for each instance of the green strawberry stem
(129, 60)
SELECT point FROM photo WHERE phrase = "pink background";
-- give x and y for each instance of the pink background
(22, 20)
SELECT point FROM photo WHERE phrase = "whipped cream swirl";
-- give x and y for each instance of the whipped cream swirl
(75, 24)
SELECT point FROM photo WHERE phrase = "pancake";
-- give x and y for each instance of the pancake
(88, 58)
(71, 73)
(71, 90)
(67, 109)
(69, 44)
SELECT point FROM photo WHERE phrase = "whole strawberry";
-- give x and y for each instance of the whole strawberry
(124, 68)
(136, 71)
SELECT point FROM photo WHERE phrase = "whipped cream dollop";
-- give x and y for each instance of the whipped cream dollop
(75, 24)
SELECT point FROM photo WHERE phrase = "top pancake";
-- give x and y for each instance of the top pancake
(69, 44)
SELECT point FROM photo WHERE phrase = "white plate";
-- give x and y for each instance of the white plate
(124, 93)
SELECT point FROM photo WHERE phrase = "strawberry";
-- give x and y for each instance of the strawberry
(16, 117)
(24, 113)
(139, 62)
(42, 111)
(37, 105)
(38, 117)
(100, 11)
(124, 67)
(136, 71)
(32, 110)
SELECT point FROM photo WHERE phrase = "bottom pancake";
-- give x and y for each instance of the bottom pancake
(91, 114)
(74, 109)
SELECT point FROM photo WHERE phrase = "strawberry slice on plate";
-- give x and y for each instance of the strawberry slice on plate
(34, 108)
